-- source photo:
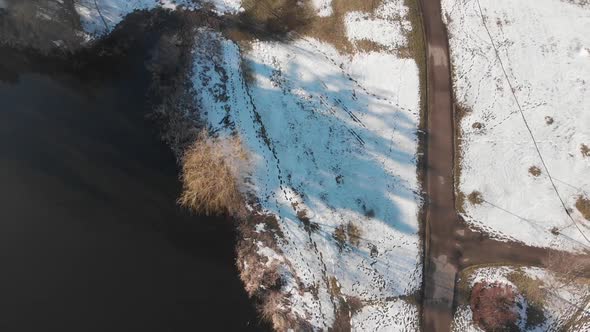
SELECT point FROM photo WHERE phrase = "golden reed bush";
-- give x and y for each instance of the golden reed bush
(212, 172)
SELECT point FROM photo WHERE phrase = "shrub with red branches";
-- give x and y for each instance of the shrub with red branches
(494, 306)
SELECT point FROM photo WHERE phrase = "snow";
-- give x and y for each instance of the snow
(335, 136)
(561, 301)
(323, 7)
(401, 316)
(543, 47)
(101, 16)
(387, 26)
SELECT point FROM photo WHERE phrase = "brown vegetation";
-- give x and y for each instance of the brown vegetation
(585, 150)
(532, 290)
(211, 170)
(493, 306)
(276, 17)
(535, 171)
(567, 267)
(583, 205)
(475, 198)
(477, 125)
(549, 120)
(348, 233)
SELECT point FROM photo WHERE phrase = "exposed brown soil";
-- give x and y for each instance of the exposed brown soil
(583, 205)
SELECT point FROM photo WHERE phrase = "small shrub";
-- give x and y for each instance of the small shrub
(354, 303)
(585, 150)
(276, 17)
(340, 236)
(354, 234)
(309, 225)
(535, 171)
(583, 205)
(493, 306)
(348, 233)
(477, 125)
(549, 120)
(475, 198)
(211, 169)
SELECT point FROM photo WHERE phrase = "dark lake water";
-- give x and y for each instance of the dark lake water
(91, 238)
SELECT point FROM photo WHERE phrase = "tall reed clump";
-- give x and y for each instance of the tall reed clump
(213, 170)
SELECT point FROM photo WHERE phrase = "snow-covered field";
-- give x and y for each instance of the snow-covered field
(333, 137)
(562, 301)
(333, 143)
(543, 46)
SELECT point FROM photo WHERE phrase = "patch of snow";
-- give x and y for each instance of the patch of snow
(99, 17)
(361, 26)
(395, 315)
(387, 26)
(260, 228)
(324, 7)
(539, 43)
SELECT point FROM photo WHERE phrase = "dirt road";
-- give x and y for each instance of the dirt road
(449, 245)
(441, 254)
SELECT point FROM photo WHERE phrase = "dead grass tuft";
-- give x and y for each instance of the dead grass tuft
(354, 234)
(475, 198)
(347, 234)
(211, 169)
(310, 226)
(535, 171)
(549, 120)
(583, 205)
(585, 150)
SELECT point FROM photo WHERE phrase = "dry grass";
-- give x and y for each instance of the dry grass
(532, 290)
(275, 18)
(347, 234)
(583, 205)
(549, 120)
(585, 150)
(211, 171)
(354, 234)
(475, 198)
(535, 171)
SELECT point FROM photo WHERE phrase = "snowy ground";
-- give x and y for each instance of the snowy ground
(543, 46)
(101, 16)
(334, 137)
(562, 302)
